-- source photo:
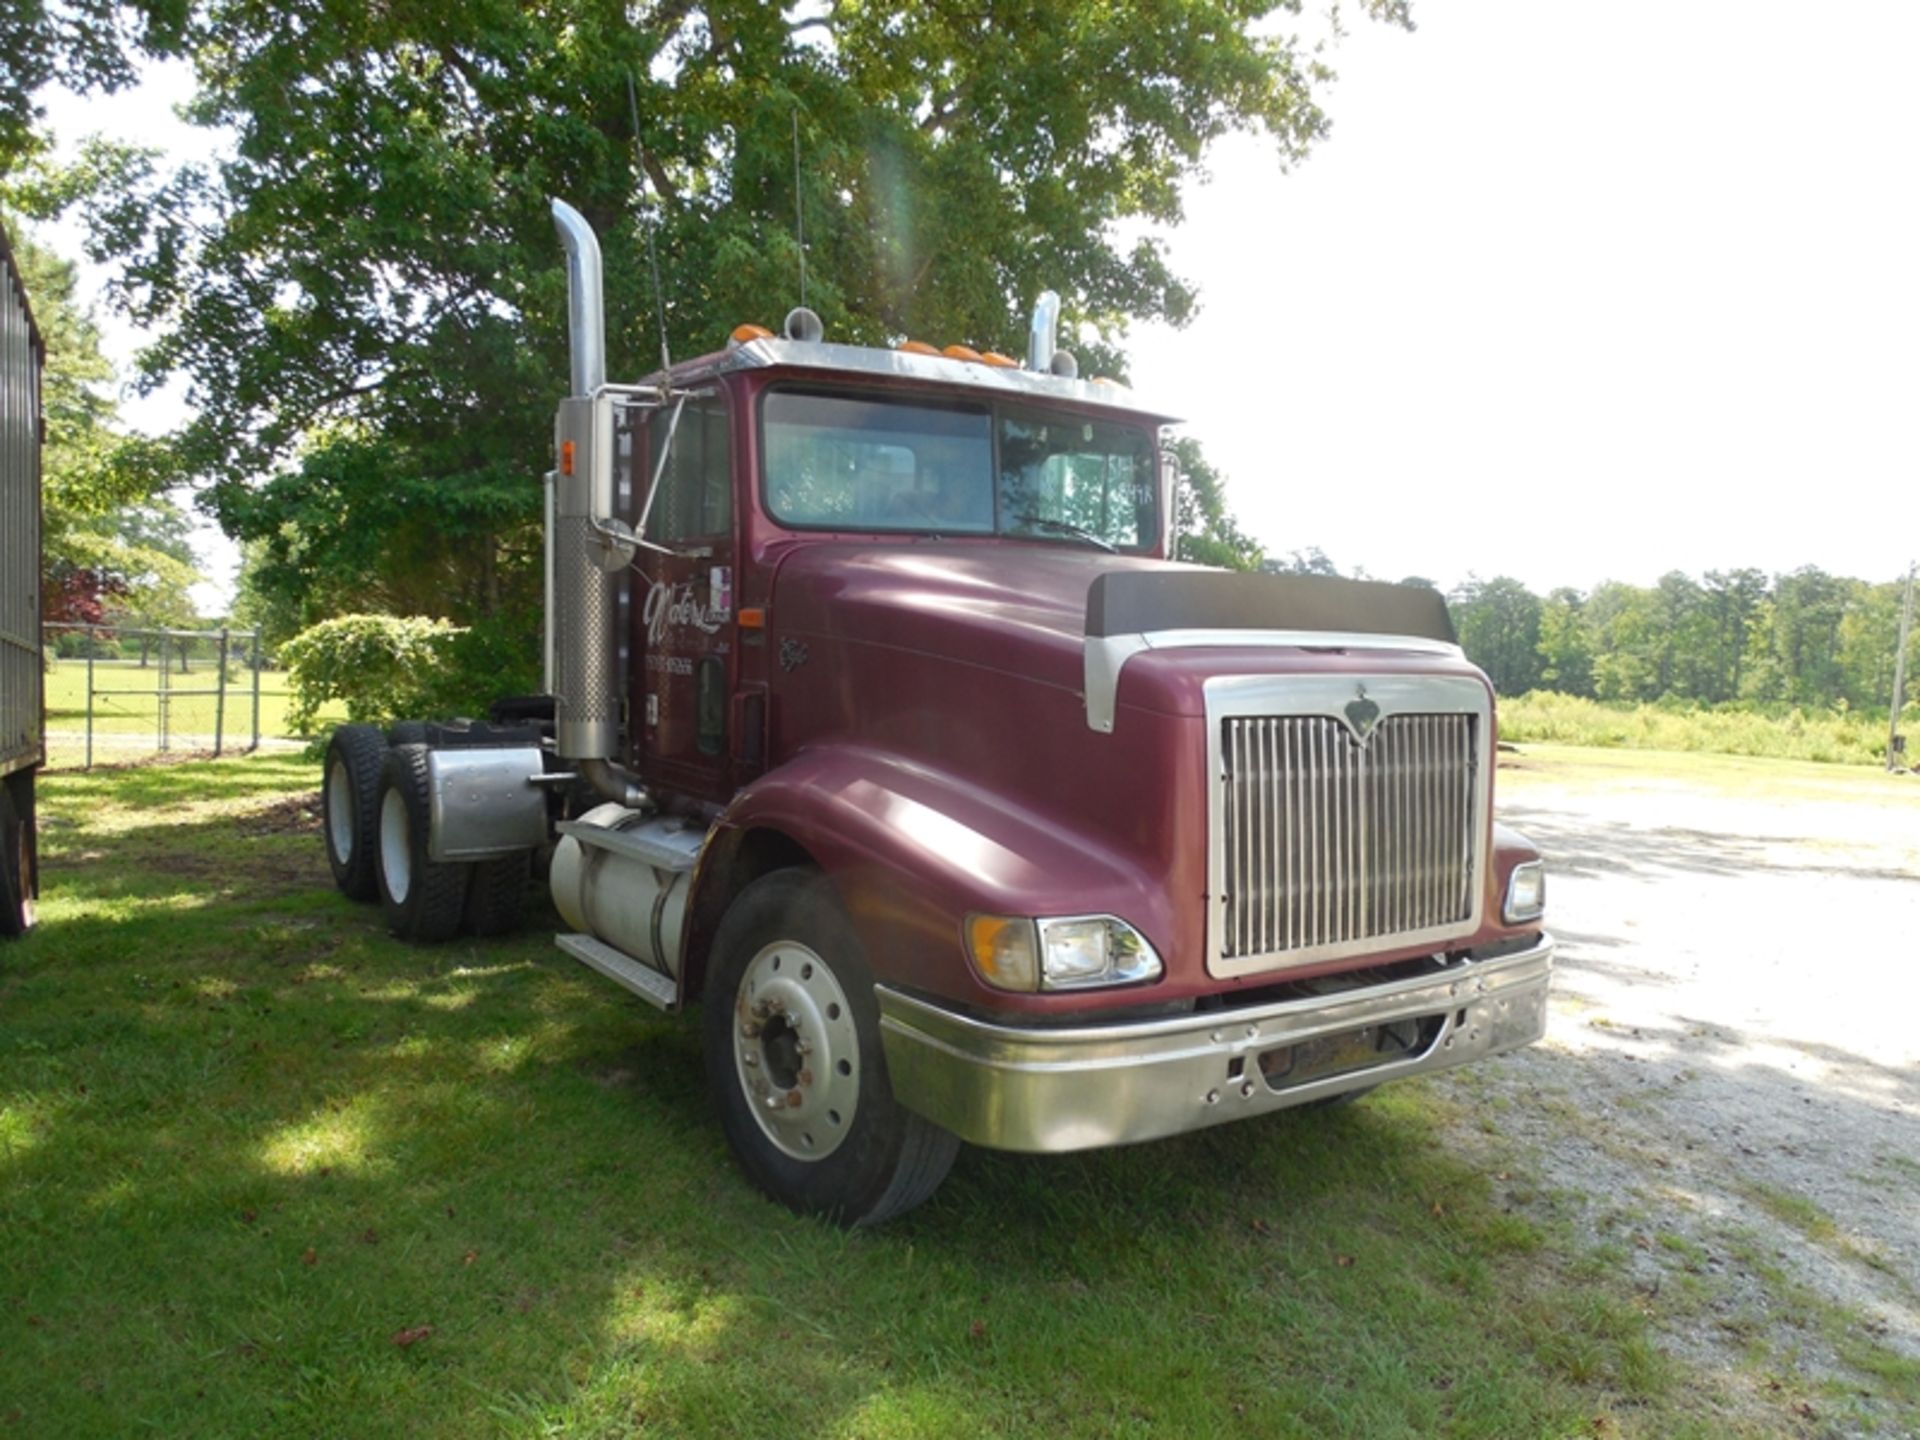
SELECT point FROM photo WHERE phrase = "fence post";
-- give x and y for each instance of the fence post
(256, 689)
(93, 643)
(220, 697)
(161, 692)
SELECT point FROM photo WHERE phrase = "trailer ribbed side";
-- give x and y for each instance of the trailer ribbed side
(21, 358)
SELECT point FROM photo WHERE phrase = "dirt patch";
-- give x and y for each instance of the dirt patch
(295, 815)
(1728, 1100)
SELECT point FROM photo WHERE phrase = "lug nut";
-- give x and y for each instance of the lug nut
(794, 1099)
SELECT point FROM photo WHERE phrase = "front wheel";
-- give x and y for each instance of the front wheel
(794, 1060)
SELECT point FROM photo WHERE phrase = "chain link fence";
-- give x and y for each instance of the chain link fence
(117, 694)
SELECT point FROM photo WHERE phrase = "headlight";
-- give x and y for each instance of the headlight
(1075, 952)
(1526, 892)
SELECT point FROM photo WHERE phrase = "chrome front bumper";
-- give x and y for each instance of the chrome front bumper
(1017, 1088)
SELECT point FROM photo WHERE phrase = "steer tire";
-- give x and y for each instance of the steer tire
(350, 805)
(16, 867)
(497, 895)
(848, 1150)
(423, 898)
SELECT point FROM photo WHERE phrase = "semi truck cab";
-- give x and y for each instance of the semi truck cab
(883, 726)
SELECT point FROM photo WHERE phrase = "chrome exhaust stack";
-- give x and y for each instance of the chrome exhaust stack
(586, 708)
(1041, 331)
(1043, 355)
(586, 310)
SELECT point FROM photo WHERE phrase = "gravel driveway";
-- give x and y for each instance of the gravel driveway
(1728, 1100)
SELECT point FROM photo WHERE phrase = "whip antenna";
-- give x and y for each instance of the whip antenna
(653, 255)
(799, 222)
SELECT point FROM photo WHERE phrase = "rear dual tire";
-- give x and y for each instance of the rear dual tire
(350, 807)
(376, 799)
(424, 899)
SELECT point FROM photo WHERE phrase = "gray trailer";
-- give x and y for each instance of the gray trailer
(22, 697)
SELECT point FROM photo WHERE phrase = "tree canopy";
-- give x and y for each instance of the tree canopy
(368, 301)
(1804, 638)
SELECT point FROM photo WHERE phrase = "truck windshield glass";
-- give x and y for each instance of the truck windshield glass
(852, 463)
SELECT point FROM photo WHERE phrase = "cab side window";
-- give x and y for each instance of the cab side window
(695, 500)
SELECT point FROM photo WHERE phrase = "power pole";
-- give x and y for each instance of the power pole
(1895, 745)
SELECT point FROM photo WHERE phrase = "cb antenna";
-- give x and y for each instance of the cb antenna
(799, 220)
(653, 256)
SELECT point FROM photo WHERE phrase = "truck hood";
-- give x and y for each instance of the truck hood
(1012, 607)
(1020, 610)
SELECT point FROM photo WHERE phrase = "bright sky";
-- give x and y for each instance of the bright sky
(1574, 292)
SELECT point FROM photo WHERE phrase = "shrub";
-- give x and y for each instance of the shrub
(381, 667)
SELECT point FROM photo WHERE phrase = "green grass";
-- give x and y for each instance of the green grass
(246, 1140)
(1826, 736)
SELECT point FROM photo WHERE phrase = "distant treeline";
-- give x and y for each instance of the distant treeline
(1807, 638)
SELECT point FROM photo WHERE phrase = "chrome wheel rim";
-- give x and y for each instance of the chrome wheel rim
(340, 810)
(396, 852)
(796, 1050)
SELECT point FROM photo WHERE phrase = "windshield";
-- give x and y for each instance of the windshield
(844, 462)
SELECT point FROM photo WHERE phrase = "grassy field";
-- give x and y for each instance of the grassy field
(1829, 737)
(264, 1170)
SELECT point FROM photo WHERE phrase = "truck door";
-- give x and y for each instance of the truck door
(682, 609)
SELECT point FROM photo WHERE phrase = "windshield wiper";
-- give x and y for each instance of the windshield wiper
(1061, 527)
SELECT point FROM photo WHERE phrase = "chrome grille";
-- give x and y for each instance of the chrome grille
(1329, 842)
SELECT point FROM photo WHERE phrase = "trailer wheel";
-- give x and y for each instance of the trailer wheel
(792, 1040)
(424, 898)
(497, 894)
(16, 886)
(350, 801)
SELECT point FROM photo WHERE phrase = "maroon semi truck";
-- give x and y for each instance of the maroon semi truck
(882, 724)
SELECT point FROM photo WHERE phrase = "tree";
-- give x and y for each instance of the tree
(86, 45)
(1566, 648)
(1498, 621)
(1735, 597)
(368, 298)
(1808, 606)
(1310, 561)
(1624, 635)
(1205, 531)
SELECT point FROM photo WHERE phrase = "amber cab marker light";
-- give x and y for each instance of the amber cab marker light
(995, 358)
(916, 347)
(961, 352)
(744, 333)
(753, 618)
